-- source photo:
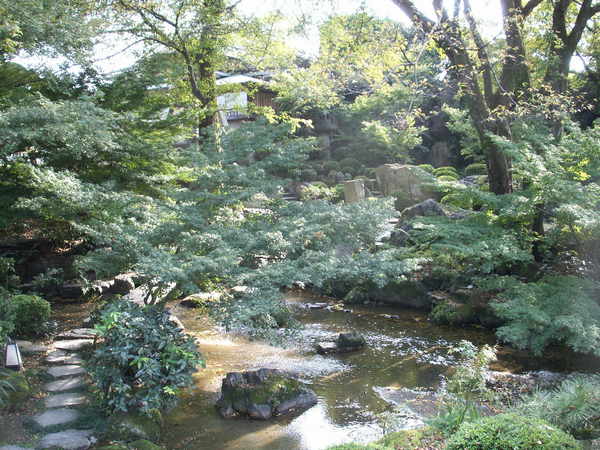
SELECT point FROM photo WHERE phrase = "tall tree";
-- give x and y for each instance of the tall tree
(195, 30)
(504, 92)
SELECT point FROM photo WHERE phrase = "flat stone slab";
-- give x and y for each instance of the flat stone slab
(13, 447)
(62, 400)
(68, 440)
(65, 384)
(66, 371)
(29, 347)
(58, 416)
(62, 357)
(73, 344)
(78, 333)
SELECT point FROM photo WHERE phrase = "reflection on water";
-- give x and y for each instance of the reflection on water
(404, 351)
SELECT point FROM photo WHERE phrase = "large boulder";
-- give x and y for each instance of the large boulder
(407, 293)
(425, 208)
(262, 394)
(409, 184)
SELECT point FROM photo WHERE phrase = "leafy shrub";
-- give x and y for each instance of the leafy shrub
(7, 316)
(556, 309)
(510, 431)
(31, 315)
(446, 171)
(6, 386)
(447, 178)
(350, 165)
(330, 165)
(8, 277)
(426, 167)
(143, 360)
(319, 191)
(573, 406)
(476, 169)
(466, 385)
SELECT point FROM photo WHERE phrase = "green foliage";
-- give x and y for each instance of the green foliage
(465, 387)
(7, 316)
(426, 167)
(506, 431)
(319, 191)
(573, 406)
(461, 249)
(31, 315)
(476, 169)
(8, 277)
(554, 310)
(143, 361)
(6, 385)
(446, 171)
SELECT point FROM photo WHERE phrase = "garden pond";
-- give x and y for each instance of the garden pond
(405, 352)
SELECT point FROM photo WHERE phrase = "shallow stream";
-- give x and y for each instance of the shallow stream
(404, 350)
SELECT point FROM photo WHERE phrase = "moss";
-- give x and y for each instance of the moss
(131, 427)
(144, 444)
(113, 447)
(452, 313)
(274, 391)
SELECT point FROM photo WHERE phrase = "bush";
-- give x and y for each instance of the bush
(510, 431)
(553, 310)
(31, 315)
(350, 165)
(7, 316)
(143, 361)
(447, 178)
(573, 406)
(426, 167)
(446, 171)
(330, 165)
(476, 169)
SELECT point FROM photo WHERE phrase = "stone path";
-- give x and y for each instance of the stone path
(59, 419)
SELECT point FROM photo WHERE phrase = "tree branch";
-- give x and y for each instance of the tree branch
(529, 7)
(481, 52)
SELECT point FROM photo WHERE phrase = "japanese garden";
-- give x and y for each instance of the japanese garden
(304, 225)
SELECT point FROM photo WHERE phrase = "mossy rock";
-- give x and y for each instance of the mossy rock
(144, 444)
(448, 312)
(133, 427)
(20, 391)
(406, 439)
(262, 394)
(113, 447)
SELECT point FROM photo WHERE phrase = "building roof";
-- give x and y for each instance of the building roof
(238, 79)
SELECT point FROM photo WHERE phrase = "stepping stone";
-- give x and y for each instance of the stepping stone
(62, 357)
(53, 417)
(66, 384)
(73, 344)
(27, 347)
(78, 333)
(68, 440)
(13, 447)
(62, 400)
(66, 371)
